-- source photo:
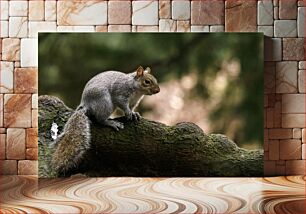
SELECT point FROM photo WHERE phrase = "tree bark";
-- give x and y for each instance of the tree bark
(148, 148)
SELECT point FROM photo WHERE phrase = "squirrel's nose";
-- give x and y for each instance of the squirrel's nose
(157, 90)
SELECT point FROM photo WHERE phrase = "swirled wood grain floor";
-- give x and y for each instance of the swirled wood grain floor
(139, 195)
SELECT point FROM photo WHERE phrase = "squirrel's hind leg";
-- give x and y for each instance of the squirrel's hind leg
(101, 109)
(102, 114)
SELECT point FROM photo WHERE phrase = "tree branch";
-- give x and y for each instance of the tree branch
(148, 148)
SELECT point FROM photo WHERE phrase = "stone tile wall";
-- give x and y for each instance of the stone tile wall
(283, 21)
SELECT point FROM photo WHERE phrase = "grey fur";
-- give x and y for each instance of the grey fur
(109, 90)
(101, 96)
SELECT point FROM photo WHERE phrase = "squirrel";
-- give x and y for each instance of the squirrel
(101, 96)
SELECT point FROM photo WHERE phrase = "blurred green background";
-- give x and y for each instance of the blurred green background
(212, 79)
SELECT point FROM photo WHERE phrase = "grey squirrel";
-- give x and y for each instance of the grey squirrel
(101, 96)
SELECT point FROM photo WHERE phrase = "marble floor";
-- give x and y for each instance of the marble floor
(153, 195)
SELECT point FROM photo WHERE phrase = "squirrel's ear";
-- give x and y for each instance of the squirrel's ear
(139, 71)
(148, 70)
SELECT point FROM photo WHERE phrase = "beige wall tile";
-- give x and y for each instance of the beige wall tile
(301, 80)
(273, 150)
(280, 133)
(119, 28)
(286, 77)
(101, 28)
(6, 74)
(147, 28)
(32, 154)
(265, 12)
(134, 28)
(290, 149)
(293, 120)
(293, 103)
(91, 12)
(119, 12)
(11, 49)
(17, 64)
(269, 168)
(180, 10)
(27, 167)
(18, 8)
(145, 13)
(32, 138)
(17, 110)
(26, 80)
(35, 27)
(2, 146)
(4, 10)
(295, 167)
(240, 15)
(285, 28)
(272, 49)
(199, 28)
(8, 167)
(269, 77)
(18, 27)
(301, 3)
(34, 101)
(293, 48)
(216, 28)
(167, 25)
(15, 143)
(266, 30)
(164, 9)
(69, 29)
(207, 12)
(29, 53)
(1, 110)
(280, 170)
(34, 118)
(50, 10)
(301, 22)
(4, 29)
(297, 133)
(36, 10)
(183, 26)
(277, 115)
(287, 9)
(270, 118)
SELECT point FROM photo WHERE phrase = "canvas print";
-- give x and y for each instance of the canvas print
(150, 104)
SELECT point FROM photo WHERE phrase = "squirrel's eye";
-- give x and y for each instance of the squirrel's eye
(147, 82)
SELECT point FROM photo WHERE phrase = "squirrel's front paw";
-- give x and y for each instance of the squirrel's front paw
(118, 126)
(133, 116)
(114, 124)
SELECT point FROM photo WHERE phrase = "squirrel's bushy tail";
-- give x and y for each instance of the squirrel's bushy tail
(71, 143)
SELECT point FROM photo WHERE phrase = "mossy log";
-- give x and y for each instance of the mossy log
(148, 148)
